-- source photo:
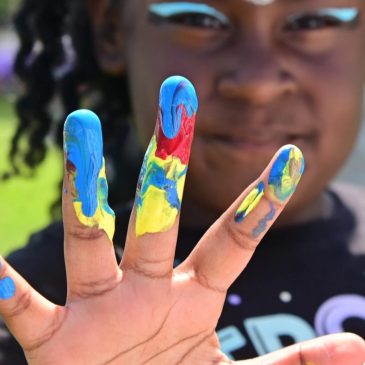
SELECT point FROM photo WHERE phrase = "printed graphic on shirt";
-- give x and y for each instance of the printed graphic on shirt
(264, 333)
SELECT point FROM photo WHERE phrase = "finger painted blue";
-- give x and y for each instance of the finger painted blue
(286, 172)
(262, 226)
(7, 288)
(103, 195)
(84, 148)
(184, 7)
(85, 169)
(177, 95)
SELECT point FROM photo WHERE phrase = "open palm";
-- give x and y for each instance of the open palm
(143, 311)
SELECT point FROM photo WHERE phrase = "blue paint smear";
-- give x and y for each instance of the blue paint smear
(302, 167)
(343, 14)
(7, 288)
(240, 217)
(84, 148)
(260, 187)
(176, 93)
(262, 226)
(156, 176)
(177, 8)
(103, 196)
(277, 170)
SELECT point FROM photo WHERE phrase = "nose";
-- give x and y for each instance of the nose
(258, 77)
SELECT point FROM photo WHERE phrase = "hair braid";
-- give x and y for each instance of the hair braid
(56, 60)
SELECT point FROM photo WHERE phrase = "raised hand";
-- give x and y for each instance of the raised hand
(144, 311)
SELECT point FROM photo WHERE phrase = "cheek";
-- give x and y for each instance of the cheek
(149, 63)
(338, 115)
(334, 86)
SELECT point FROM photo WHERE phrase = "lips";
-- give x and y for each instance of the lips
(240, 121)
(244, 147)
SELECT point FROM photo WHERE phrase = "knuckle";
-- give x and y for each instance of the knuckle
(91, 289)
(203, 281)
(241, 238)
(53, 327)
(20, 305)
(149, 270)
(84, 233)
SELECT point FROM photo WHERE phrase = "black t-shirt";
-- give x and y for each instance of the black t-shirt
(302, 282)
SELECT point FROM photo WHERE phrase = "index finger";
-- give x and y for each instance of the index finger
(226, 248)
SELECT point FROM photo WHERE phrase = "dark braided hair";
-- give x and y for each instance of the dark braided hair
(56, 61)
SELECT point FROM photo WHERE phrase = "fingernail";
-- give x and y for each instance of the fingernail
(250, 202)
(162, 178)
(85, 169)
(7, 287)
(286, 172)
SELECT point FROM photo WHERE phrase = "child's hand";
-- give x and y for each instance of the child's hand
(144, 311)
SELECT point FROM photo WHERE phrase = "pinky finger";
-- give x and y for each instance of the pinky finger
(27, 314)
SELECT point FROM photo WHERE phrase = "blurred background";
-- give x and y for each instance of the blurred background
(25, 201)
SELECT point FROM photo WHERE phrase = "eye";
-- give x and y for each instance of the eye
(198, 20)
(311, 22)
(323, 19)
(189, 14)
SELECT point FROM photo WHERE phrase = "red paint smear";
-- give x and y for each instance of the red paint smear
(181, 144)
(70, 167)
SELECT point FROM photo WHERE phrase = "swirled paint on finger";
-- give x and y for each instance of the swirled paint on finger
(250, 202)
(161, 182)
(85, 167)
(286, 172)
(263, 222)
(7, 287)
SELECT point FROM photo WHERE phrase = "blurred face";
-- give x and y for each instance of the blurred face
(267, 73)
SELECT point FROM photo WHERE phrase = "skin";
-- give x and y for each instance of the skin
(259, 87)
(144, 311)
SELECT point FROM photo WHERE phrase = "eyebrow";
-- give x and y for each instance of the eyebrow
(169, 9)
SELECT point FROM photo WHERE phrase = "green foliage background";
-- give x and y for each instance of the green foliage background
(7, 7)
(24, 202)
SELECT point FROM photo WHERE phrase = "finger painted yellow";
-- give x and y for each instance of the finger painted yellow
(103, 218)
(161, 192)
(250, 202)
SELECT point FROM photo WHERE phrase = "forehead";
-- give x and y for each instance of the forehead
(260, 2)
(269, 2)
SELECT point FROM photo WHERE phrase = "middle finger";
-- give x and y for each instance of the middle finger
(152, 232)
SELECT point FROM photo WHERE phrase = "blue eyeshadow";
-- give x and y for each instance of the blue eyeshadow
(167, 10)
(343, 14)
